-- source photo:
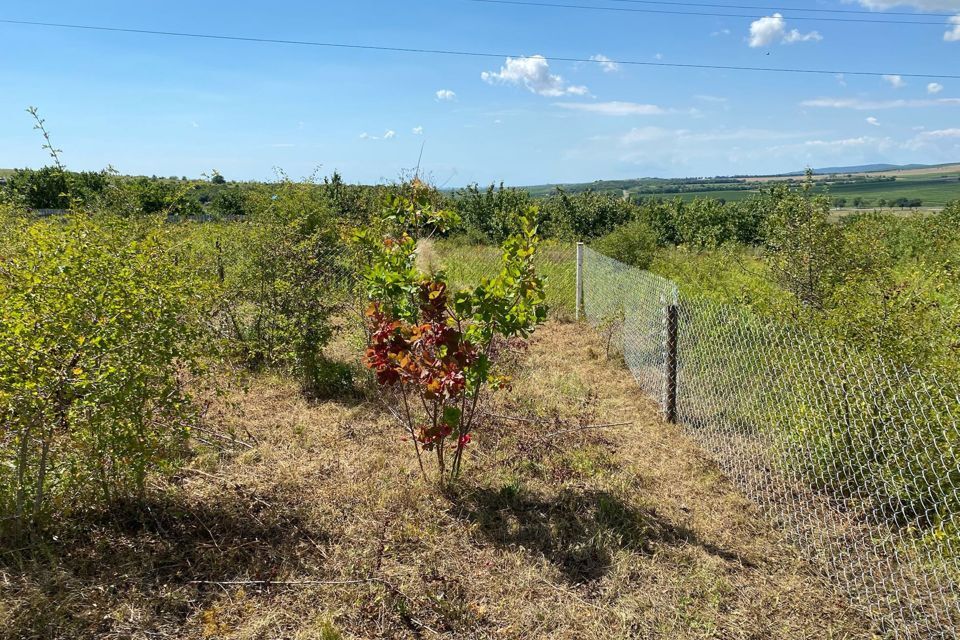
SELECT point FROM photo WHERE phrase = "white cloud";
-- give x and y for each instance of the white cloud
(417, 131)
(953, 35)
(894, 81)
(195, 124)
(769, 30)
(721, 32)
(389, 134)
(921, 5)
(870, 105)
(445, 95)
(766, 30)
(846, 142)
(614, 108)
(533, 72)
(795, 36)
(659, 56)
(934, 88)
(942, 133)
(933, 140)
(873, 121)
(706, 98)
(608, 65)
(841, 79)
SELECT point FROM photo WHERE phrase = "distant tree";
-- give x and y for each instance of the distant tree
(230, 202)
(858, 202)
(804, 247)
(839, 203)
(882, 203)
(633, 243)
(218, 178)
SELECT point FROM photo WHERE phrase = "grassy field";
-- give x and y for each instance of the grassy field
(465, 265)
(309, 520)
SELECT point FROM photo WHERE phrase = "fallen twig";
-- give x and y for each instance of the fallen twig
(224, 437)
(517, 418)
(587, 428)
(289, 583)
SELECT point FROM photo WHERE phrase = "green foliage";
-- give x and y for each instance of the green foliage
(804, 248)
(280, 275)
(490, 215)
(54, 188)
(586, 215)
(633, 243)
(230, 203)
(147, 196)
(705, 223)
(98, 336)
(432, 347)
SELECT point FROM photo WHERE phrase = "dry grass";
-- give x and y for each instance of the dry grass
(625, 532)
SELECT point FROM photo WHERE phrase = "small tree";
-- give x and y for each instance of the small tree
(431, 348)
(803, 246)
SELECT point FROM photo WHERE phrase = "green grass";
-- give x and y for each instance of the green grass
(466, 265)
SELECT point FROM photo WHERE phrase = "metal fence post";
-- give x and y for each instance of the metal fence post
(579, 302)
(670, 402)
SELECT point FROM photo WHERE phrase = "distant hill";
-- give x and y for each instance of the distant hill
(868, 185)
(869, 168)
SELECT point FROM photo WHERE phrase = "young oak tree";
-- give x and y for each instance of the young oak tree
(431, 348)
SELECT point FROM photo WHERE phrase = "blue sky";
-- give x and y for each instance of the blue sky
(174, 106)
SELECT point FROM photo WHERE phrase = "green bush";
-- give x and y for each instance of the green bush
(99, 336)
(586, 215)
(489, 216)
(633, 243)
(278, 277)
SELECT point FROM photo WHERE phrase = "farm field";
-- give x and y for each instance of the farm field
(934, 186)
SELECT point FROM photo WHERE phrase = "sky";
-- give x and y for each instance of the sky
(162, 105)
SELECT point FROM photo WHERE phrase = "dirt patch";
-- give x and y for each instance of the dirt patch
(322, 528)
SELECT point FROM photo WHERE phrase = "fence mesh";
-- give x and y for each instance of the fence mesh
(856, 458)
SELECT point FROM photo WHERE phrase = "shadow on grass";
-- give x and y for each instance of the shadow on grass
(577, 531)
(152, 556)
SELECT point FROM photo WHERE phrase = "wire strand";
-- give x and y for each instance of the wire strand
(583, 7)
(918, 14)
(469, 54)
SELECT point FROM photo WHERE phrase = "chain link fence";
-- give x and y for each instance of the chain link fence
(856, 458)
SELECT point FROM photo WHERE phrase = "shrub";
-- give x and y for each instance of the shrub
(489, 215)
(280, 276)
(98, 336)
(633, 243)
(585, 215)
(431, 346)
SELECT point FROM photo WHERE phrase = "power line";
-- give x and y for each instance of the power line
(919, 14)
(584, 7)
(469, 54)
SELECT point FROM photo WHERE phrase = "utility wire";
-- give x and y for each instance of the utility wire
(584, 7)
(468, 54)
(918, 14)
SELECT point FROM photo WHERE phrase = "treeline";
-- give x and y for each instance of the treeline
(53, 188)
